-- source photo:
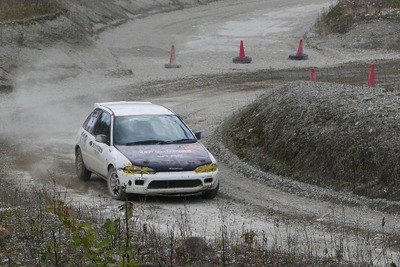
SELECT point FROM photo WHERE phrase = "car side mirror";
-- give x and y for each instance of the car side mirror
(198, 135)
(101, 138)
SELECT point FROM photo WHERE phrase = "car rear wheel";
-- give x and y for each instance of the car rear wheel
(81, 171)
(114, 186)
(211, 193)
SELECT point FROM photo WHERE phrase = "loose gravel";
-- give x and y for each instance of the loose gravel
(329, 123)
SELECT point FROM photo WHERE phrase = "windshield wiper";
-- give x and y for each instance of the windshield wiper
(180, 141)
(161, 142)
(148, 142)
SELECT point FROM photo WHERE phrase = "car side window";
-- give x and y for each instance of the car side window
(91, 120)
(103, 125)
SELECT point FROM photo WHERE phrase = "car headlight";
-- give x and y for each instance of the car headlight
(134, 169)
(212, 167)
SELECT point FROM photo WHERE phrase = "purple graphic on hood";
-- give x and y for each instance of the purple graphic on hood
(167, 157)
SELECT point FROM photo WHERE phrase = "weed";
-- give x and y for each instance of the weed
(47, 231)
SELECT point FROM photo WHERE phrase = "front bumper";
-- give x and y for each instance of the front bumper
(168, 183)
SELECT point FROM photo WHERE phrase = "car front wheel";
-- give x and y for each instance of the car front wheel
(81, 171)
(114, 186)
(211, 193)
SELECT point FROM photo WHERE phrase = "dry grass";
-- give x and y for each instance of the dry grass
(46, 231)
(23, 9)
(340, 17)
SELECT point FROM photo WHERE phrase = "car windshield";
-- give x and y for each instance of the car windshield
(151, 129)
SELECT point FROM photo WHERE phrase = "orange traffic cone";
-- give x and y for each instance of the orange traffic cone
(242, 58)
(299, 55)
(172, 60)
(371, 77)
(313, 77)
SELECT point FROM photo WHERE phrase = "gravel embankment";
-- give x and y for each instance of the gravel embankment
(339, 137)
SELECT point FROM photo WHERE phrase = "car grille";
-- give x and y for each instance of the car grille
(174, 184)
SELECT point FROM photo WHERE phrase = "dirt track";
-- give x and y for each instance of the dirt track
(56, 89)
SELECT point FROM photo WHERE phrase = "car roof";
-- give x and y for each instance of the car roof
(125, 108)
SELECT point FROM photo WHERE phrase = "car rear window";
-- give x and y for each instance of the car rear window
(91, 120)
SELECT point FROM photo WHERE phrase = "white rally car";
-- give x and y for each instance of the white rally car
(144, 148)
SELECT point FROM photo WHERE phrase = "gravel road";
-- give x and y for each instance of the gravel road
(56, 88)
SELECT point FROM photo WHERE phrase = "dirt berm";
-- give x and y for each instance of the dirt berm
(342, 137)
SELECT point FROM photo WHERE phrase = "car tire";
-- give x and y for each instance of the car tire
(114, 187)
(81, 171)
(211, 193)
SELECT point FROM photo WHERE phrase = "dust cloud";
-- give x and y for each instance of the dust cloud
(53, 93)
(40, 108)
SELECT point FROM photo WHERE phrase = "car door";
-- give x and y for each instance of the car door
(98, 151)
(87, 137)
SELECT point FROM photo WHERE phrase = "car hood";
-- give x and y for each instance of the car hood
(167, 157)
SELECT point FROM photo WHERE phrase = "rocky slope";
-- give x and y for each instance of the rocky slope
(335, 136)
